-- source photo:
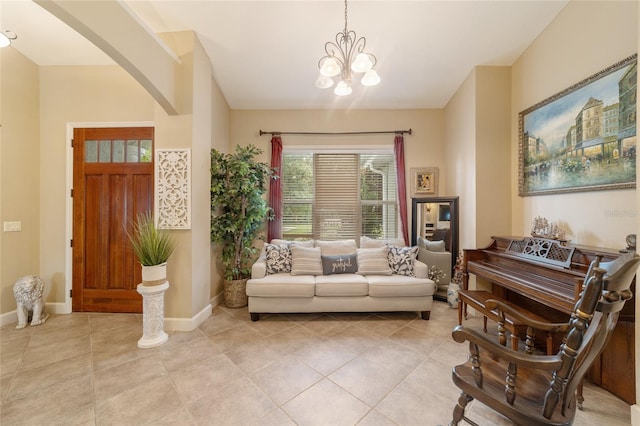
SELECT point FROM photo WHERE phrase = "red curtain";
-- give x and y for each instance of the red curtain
(398, 149)
(274, 227)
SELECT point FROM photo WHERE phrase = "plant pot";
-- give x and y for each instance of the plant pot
(154, 275)
(452, 295)
(235, 293)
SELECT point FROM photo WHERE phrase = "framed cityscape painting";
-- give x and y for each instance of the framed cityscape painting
(583, 138)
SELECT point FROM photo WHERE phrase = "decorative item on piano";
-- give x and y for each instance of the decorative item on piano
(542, 228)
(631, 243)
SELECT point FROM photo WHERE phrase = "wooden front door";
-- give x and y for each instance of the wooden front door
(112, 182)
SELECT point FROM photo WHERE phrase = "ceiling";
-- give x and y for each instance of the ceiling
(265, 53)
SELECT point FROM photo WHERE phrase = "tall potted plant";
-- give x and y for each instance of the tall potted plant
(238, 213)
(152, 247)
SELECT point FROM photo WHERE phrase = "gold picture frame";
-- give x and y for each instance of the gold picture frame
(424, 181)
(583, 138)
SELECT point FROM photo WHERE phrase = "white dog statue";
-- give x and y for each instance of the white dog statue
(28, 292)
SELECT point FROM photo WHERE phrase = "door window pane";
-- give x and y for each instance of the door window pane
(145, 150)
(105, 151)
(132, 151)
(118, 151)
(91, 151)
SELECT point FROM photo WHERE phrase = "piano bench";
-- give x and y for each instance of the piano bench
(477, 299)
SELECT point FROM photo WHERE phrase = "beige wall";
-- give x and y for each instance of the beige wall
(201, 183)
(477, 155)
(564, 54)
(220, 141)
(19, 171)
(189, 270)
(460, 136)
(493, 93)
(423, 148)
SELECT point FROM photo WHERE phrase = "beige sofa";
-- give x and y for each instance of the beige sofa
(338, 276)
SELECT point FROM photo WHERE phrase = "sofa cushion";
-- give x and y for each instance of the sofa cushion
(282, 285)
(342, 285)
(305, 243)
(373, 261)
(402, 260)
(366, 242)
(330, 248)
(305, 261)
(339, 264)
(278, 258)
(399, 285)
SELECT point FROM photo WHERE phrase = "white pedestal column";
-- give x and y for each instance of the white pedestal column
(152, 315)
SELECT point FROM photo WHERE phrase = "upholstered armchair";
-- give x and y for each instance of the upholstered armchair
(434, 255)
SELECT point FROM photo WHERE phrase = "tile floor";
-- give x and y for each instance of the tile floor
(338, 369)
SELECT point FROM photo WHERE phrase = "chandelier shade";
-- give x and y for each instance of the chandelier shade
(371, 78)
(324, 82)
(6, 37)
(344, 57)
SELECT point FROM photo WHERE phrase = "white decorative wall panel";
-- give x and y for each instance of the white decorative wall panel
(173, 188)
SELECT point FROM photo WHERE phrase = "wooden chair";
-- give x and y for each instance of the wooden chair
(534, 389)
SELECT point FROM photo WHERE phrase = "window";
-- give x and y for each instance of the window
(118, 151)
(333, 196)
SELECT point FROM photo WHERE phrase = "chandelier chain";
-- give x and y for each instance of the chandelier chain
(345, 17)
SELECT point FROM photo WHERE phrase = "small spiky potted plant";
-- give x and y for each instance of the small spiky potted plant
(238, 213)
(152, 247)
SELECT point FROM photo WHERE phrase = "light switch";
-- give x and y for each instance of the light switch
(12, 226)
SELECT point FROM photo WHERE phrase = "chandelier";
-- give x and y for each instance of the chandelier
(343, 58)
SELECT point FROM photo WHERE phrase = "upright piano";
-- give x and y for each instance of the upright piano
(546, 277)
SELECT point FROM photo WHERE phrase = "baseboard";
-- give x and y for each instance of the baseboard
(172, 324)
(57, 308)
(216, 300)
(187, 324)
(635, 415)
(11, 317)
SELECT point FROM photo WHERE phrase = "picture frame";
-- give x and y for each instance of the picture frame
(424, 181)
(583, 138)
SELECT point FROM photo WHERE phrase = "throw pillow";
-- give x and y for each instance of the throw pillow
(305, 261)
(435, 245)
(373, 261)
(330, 248)
(402, 260)
(278, 258)
(339, 264)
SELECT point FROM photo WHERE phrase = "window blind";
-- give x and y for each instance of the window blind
(337, 202)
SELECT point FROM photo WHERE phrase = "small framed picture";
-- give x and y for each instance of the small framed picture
(424, 181)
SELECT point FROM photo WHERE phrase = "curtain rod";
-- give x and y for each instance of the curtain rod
(264, 132)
